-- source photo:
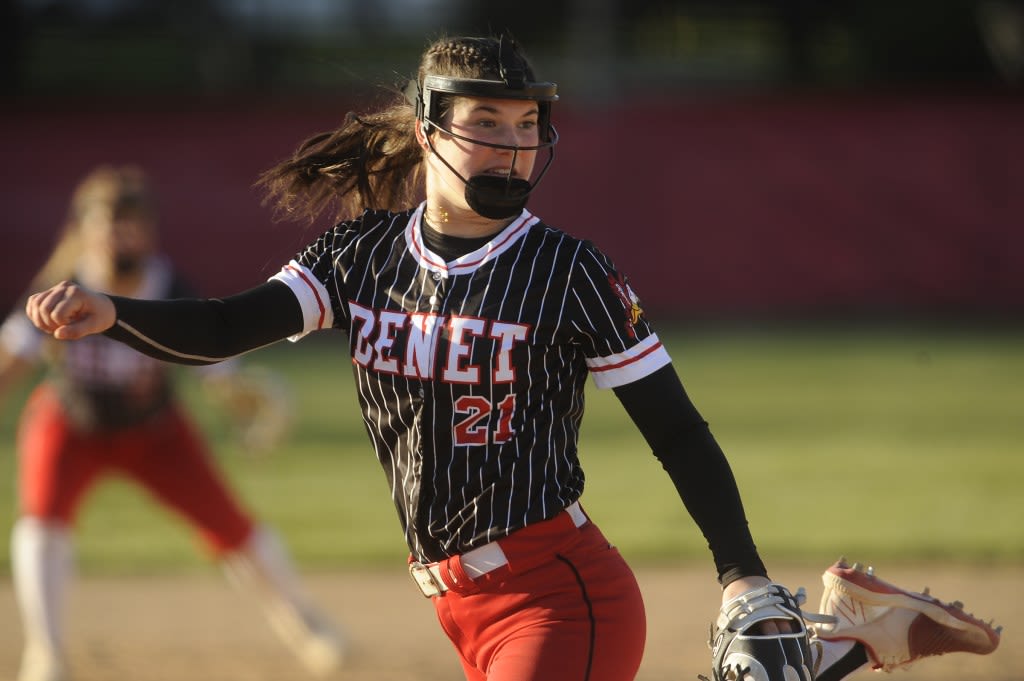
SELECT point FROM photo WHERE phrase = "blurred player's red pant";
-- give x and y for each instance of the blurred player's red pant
(566, 608)
(58, 464)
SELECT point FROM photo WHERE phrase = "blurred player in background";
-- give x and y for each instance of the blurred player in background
(473, 328)
(105, 409)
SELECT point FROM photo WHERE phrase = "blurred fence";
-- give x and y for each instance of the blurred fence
(717, 205)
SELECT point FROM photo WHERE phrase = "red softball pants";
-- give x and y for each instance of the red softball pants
(566, 607)
(58, 464)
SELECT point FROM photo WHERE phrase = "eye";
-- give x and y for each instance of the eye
(528, 125)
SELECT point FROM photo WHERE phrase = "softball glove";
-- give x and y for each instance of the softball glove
(740, 651)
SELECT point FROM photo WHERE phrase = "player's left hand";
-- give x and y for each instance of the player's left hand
(746, 584)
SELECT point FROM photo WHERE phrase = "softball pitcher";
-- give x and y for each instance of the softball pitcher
(472, 327)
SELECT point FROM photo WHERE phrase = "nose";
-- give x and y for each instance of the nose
(508, 138)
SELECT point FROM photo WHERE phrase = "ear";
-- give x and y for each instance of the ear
(421, 136)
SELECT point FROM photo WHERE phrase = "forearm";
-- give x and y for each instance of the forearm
(190, 331)
(682, 442)
(705, 482)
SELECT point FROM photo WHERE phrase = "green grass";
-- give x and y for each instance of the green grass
(890, 444)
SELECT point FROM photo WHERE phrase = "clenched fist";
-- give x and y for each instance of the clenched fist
(68, 311)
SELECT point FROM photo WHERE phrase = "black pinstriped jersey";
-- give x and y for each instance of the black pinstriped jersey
(471, 373)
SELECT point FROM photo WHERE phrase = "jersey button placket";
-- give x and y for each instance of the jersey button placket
(438, 295)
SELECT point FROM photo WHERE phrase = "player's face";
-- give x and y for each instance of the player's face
(495, 121)
(117, 244)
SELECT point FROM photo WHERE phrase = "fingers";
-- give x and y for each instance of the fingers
(68, 311)
(773, 627)
(767, 627)
(41, 306)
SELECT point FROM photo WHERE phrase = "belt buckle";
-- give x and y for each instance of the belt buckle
(425, 580)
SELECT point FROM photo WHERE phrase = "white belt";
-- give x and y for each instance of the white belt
(475, 562)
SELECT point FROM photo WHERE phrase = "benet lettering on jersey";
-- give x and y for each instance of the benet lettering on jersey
(412, 343)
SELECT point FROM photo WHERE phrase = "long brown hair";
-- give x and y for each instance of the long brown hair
(373, 160)
(121, 189)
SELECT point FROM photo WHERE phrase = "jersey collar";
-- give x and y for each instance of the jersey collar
(470, 262)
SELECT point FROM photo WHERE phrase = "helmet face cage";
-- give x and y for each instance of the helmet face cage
(436, 88)
(492, 197)
(428, 101)
(430, 98)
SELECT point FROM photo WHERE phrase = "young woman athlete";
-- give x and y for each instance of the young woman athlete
(473, 326)
(108, 410)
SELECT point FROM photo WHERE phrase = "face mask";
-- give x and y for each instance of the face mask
(495, 197)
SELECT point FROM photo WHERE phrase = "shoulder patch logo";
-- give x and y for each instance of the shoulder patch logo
(630, 301)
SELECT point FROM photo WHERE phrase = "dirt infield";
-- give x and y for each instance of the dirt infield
(197, 628)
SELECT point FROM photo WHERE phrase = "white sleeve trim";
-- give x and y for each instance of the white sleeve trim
(312, 296)
(622, 368)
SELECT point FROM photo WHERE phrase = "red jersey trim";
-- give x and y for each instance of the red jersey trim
(625, 367)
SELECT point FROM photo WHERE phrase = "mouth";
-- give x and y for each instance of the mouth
(501, 172)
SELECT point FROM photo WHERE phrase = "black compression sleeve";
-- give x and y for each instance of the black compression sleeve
(683, 443)
(192, 331)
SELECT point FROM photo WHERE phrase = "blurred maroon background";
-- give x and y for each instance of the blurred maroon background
(723, 207)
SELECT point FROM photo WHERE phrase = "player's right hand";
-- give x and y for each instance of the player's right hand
(68, 311)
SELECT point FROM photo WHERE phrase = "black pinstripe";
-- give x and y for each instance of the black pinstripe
(590, 612)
